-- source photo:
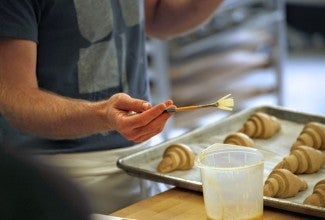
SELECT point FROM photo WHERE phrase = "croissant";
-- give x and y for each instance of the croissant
(239, 138)
(260, 125)
(176, 157)
(313, 135)
(303, 159)
(281, 183)
(317, 198)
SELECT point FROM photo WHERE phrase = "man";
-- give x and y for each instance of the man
(70, 73)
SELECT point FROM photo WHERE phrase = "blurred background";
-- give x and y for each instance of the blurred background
(263, 52)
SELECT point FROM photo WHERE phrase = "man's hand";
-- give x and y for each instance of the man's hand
(148, 122)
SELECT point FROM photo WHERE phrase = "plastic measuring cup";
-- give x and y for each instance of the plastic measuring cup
(232, 181)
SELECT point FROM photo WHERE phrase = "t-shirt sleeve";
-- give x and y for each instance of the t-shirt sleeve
(19, 19)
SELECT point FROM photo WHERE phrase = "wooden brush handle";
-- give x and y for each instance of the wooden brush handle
(182, 109)
(191, 107)
(187, 108)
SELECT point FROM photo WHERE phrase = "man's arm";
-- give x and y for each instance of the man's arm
(169, 18)
(42, 113)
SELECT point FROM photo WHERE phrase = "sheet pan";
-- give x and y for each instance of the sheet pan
(143, 164)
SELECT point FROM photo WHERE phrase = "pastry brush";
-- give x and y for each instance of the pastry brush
(224, 103)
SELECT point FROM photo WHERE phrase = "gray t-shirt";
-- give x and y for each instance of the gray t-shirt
(86, 49)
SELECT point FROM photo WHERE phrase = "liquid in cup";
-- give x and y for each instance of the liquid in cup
(232, 181)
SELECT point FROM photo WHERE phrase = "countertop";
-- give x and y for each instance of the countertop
(178, 203)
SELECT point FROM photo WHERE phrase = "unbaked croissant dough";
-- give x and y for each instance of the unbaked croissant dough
(317, 198)
(261, 125)
(313, 135)
(240, 139)
(281, 183)
(176, 157)
(303, 159)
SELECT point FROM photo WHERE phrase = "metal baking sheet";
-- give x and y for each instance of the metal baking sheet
(143, 164)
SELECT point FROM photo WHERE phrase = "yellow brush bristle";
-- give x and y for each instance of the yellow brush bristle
(226, 103)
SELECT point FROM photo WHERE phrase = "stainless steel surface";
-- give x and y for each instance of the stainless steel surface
(231, 4)
(309, 2)
(107, 217)
(143, 164)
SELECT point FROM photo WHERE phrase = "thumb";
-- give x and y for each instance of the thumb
(128, 103)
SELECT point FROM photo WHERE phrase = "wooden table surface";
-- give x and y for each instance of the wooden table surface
(177, 204)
